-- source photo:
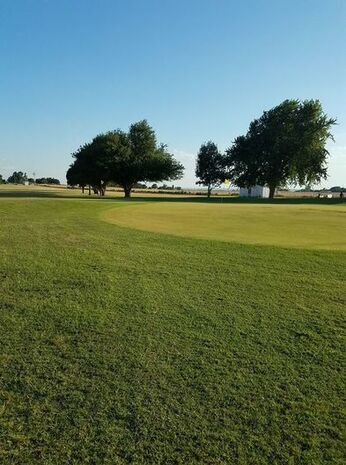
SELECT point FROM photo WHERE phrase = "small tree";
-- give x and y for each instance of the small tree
(2, 180)
(17, 177)
(210, 166)
(285, 145)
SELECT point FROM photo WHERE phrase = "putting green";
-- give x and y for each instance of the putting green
(298, 225)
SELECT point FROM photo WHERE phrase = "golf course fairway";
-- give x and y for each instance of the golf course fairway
(127, 347)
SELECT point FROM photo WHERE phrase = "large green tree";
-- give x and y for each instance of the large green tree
(17, 177)
(137, 157)
(90, 166)
(75, 176)
(210, 164)
(287, 144)
(125, 158)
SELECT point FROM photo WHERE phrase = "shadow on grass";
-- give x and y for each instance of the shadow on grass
(23, 193)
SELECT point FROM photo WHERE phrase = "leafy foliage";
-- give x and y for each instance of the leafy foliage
(210, 166)
(123, 158)
(286, 144)
(47, 181)
(18, 177)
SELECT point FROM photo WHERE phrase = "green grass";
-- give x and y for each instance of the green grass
(121, 346)
(303, 225)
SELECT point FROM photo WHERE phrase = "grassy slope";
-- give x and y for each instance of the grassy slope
(120, 346)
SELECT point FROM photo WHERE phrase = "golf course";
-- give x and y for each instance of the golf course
(163, 330)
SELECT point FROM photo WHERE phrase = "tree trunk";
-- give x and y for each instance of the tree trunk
(103, 189)
(209, 191)
(89, 189)
(271, 191)
(82, 189)
(127, 191)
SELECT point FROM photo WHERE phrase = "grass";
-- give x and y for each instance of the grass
(121, 346)
(303, 225)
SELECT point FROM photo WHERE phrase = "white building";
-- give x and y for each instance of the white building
(254, 191)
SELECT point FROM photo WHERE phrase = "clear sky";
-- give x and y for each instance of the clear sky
(196, 69)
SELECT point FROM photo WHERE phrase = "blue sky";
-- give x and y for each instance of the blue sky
(196, 69)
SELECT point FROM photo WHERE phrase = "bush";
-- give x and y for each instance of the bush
(47, 181)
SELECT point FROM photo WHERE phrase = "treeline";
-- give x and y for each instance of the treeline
(286, 145)
(331, 189)
(18, 177)
(45, 181)
(124, 159)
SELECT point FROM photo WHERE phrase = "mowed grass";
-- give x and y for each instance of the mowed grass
(121, 346)
(315, 226)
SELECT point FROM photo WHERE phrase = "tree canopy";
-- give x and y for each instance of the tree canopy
(210, 166)
(125, 158)
(17, 177)
(285, 145)
(47, 180)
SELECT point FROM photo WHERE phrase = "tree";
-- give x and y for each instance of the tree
(90, 167)
(285, 145)
(75, 177)
(210, 166)
(46, 180)
(139, 158)
(17, 177)
(337, 189)
(123, 158)
(2, 180)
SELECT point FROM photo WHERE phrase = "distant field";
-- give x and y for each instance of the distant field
(121, 345)
(117, 192)
(301, 225)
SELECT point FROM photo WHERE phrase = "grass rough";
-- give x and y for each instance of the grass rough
(121, 346)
